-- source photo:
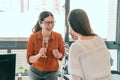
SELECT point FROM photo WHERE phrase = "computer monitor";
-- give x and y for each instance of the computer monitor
(7, 66)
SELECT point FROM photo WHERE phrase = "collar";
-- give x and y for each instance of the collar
(39, 35)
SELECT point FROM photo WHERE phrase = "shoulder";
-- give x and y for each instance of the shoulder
(100, 39)
(56, 34)
(76, 45)
(35, 35)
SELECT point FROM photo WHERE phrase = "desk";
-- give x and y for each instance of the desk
(23, 78)
(27, 77)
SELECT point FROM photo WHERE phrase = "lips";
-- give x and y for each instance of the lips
(49, 29)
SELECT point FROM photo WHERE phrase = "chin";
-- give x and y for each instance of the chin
(49, 30)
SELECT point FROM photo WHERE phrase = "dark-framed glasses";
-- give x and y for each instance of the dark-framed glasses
(49, 22)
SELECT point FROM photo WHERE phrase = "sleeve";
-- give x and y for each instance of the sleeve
(110, 57)
(74, 65)
(61, 46)
(29, 48)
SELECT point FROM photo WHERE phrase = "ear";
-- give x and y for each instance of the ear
(40, 23)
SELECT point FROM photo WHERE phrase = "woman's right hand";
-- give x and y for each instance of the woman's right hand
(42, 52)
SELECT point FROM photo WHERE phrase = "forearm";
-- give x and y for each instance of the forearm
(41, 53)
(34, 58)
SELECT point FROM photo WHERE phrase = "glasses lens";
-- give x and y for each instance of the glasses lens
(49, 22)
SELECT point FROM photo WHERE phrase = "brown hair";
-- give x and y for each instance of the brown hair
(79, 22)
(41, 18)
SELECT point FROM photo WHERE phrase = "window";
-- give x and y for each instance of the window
(19, 16)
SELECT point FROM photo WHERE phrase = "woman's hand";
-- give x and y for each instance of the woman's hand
(42, 52)
(57, 54)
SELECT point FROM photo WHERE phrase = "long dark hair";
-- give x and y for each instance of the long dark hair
(41, 18)
(79, 22)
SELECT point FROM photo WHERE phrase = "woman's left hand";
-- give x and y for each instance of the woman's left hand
(57, 54)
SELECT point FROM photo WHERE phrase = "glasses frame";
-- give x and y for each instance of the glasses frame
(49, 22)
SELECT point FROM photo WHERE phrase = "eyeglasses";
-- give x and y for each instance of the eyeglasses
(49, 22)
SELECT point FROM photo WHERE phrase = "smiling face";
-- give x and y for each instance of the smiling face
(48, 24)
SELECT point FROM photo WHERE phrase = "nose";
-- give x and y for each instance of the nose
(51, 23)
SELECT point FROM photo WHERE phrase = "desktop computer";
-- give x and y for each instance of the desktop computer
(7, 66)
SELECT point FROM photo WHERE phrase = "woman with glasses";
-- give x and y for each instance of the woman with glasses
(45, 47)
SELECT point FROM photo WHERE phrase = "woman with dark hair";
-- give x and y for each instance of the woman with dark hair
(89, 58)
(45, 47)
